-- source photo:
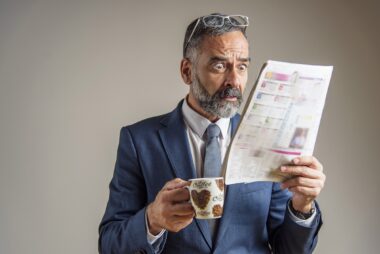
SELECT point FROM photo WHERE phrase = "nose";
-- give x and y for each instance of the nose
(232, 78)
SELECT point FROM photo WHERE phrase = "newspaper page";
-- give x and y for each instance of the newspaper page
(280, 121)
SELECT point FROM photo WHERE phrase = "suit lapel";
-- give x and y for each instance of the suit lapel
(174, 139)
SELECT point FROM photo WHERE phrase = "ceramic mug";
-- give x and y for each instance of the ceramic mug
(207, 197)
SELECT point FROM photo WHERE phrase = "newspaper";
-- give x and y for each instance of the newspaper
(280, 121)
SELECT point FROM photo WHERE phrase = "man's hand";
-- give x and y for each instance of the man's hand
(171, 209)
(307, 183)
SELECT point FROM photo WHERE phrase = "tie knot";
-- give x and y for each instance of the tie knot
(213, 131)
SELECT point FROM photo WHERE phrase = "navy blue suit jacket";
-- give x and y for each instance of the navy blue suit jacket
(156, 150)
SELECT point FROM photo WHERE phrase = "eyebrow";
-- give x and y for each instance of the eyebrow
(220, 58)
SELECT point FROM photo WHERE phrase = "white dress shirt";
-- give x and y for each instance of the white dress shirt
(196, 126)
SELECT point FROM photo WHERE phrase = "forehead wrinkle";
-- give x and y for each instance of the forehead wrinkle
(222, 46)
(227, 47)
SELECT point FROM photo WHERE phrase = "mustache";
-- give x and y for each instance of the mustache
(230, 92)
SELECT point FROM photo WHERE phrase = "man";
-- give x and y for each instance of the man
(148, 209)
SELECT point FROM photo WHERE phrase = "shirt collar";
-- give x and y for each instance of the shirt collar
(199, 123)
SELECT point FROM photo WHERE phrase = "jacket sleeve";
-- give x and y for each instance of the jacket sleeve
(285, 235)
(122, 229)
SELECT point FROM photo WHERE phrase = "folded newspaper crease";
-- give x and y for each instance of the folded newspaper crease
(280, 121)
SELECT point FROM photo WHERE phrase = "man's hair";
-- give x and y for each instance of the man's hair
(190, 49)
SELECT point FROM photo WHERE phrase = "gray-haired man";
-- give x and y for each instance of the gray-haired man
(148, 209)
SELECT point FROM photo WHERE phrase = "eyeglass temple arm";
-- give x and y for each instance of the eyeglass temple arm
(191, 35)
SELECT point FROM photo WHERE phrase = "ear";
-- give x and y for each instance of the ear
(186, 66)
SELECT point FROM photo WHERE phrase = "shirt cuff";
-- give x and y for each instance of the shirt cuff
(306, 223)
(152, 238)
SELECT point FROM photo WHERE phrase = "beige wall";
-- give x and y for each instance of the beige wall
(73, 72)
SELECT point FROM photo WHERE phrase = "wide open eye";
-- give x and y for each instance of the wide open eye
(218, 66)
(242, 67)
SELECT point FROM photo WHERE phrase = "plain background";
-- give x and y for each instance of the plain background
(72, 73)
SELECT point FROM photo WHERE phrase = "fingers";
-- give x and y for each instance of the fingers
(308, 192)
(308, 178)
(303, 182)
(178, 216)
(182, 219)
(176, 183)
(177, 195)
(307, 182)
(170, 209)
(301, 171)
(177, 225)
(309, 161)
(182, 209)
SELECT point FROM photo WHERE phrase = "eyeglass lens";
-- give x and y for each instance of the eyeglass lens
(238, 21)
(218, 21)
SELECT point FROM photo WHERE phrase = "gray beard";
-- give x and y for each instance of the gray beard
(215, 104)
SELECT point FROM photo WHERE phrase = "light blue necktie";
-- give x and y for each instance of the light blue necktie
(213, 162)
(212, 165)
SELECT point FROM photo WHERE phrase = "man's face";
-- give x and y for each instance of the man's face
(220, 74)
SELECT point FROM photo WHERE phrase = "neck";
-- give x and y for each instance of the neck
(193, 103)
